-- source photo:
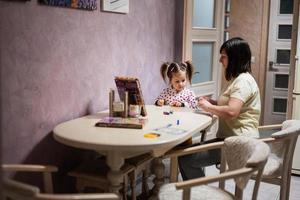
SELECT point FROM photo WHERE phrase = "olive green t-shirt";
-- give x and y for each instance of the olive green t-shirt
(244, 88)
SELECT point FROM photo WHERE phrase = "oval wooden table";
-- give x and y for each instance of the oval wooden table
(121, 143)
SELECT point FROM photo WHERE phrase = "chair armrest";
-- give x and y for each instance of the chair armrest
(268, 140)
(28, 168)
(103, 196)
(45, 169)
(210, 179)
(194, 149)
(270, 127)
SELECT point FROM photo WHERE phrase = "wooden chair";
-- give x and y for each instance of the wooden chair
(282, 139)
(243, 155)
(93, 174)
(142, 167)
(16, 190)
(173, 159)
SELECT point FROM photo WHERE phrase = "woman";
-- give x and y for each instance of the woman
(238, 106)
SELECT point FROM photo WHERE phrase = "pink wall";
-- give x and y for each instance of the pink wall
(58, 64)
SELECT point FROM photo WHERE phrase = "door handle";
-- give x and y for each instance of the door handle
(271, 66)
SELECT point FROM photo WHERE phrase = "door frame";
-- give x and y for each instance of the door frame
(295, 27)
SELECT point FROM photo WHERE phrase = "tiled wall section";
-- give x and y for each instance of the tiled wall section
(58, 64)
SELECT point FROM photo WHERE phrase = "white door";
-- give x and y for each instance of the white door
(203, 31)
(279, 49)
(203, 34)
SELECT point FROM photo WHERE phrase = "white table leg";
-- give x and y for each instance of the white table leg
(159, 171)
(115, 176)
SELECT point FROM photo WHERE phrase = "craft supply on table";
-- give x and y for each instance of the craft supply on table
(151, 135)
(125, 113)
(170, 129)
(119, 122)
(118, 109)
(134, 110)
(111, 101)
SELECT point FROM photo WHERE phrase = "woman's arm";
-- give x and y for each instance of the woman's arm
(230, 111)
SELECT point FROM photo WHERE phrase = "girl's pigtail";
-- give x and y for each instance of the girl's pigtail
(189, 70)
(163, 70)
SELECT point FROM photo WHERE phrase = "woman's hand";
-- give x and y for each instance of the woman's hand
(213, 102)
(160, 102)
(204, 104)
(230, 111)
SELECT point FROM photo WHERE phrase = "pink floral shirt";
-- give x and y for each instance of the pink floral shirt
(186, 96)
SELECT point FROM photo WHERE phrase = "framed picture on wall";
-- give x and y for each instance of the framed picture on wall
(117, 6)
(79, 4)
(15, 0)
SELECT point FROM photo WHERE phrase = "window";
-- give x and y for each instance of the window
(286, 7)
(284, 31)
(283, 56)
(203, 13)
(279, 105)
(281, 81)
(202, 60)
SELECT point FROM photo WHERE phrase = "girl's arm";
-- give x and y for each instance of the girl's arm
(160, 101)
(192, 102)
(230, 111)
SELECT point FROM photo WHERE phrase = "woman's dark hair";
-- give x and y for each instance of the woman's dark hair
(168, 69)
(239, 57)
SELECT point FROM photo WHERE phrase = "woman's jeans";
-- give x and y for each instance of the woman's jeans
(192, 166)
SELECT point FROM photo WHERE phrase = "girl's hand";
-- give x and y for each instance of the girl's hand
(176, 104)
(204, 104)
(160, 102)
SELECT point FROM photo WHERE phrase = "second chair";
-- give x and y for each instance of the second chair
(243, 155)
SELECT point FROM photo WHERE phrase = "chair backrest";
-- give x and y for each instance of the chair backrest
(284, 145)
(245, 152)
(15, 190)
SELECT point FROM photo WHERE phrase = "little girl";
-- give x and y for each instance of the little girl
(177, 94)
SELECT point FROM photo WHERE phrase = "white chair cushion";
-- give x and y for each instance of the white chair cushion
(203, 192)
(273, 166)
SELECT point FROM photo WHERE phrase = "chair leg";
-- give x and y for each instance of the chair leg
(282, 191)
(145, 188)
(132, 177)
(285, 187)
(287, 193)
(238, 193)
(174, 170)
(125, 186)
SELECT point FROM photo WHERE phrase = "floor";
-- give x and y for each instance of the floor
(266, 191)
